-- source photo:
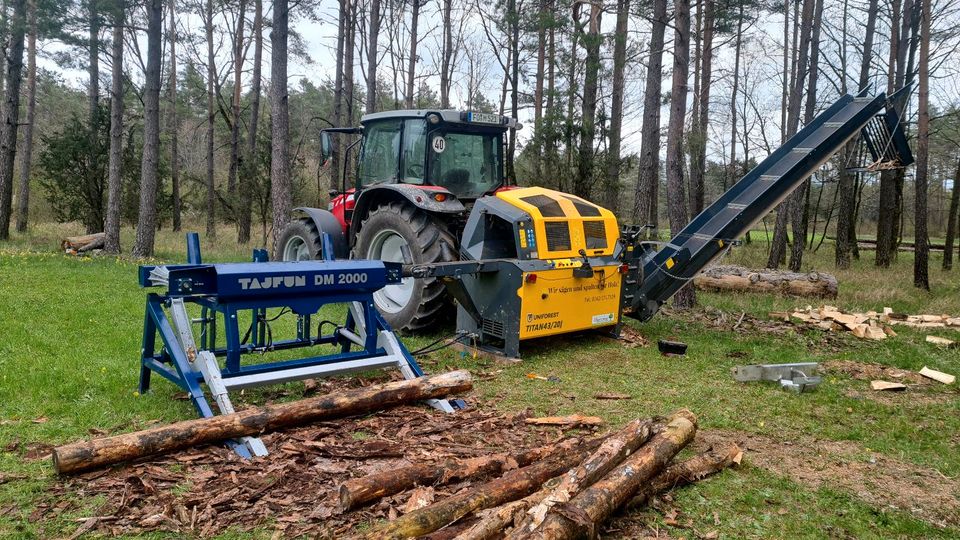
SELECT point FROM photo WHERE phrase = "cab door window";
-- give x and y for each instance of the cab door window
(414, 151)
(379, 161)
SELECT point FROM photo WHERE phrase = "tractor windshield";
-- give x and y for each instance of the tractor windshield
(467, 164)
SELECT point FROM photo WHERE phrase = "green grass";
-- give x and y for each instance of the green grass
(70, 331)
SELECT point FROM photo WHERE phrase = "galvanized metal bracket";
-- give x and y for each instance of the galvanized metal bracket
(796, 377)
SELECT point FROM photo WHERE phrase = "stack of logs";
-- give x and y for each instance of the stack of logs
(565, 490)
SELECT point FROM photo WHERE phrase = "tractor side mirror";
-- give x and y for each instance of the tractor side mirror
(326, 147)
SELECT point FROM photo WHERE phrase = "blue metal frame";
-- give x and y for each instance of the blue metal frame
(226, 290)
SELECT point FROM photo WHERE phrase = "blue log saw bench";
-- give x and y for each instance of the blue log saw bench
(225, 291)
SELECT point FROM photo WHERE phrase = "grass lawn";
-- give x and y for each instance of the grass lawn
(70, 331)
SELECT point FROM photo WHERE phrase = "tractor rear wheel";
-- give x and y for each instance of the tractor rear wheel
(412, 304)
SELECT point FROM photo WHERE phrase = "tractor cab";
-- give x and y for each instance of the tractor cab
(461, 152)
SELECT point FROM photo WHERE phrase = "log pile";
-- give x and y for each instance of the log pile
(740, 279)
(80, 244)
(864, 325)
(565, 490)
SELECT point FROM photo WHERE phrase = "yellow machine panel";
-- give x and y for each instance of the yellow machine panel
(555, 302)
(563, 224)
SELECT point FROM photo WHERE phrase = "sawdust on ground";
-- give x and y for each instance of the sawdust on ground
(879, 480)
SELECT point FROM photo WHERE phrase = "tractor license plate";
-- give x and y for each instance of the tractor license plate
(483, 118)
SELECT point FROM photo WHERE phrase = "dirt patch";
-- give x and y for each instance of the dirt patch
(201, 492)
(868, 372)
(879, 480)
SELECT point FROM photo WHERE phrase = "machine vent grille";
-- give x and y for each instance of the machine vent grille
(584, 208)
(595, 234)
(492, 328)
(558, 235)
(547, 206)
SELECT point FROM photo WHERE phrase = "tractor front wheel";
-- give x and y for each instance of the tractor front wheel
(412, 304)
(300, 241)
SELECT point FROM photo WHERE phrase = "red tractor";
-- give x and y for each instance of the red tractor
(418, 174)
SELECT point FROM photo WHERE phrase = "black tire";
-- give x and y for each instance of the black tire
(301, 232)
(429, 242)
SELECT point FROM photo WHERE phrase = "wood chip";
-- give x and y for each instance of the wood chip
(572, 420)
(943, 342)
(938, 376)
(888, 386)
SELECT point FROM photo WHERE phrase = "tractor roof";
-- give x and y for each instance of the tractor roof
(448, 116)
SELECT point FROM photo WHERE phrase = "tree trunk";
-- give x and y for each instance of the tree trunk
(889, 200)
(372, 56)
(799, 206)
(740, 279)
(348, 64)
(92, 454)
(11, 114)
(235, 103)
(598, 502)
(921, 256)
(583, 182)
(359, 491)
(698, 135)
(446, 54)
(115, 166)
(23, 190)
(211, 116)
(246, 187)
(792, 208)
(147, 220)
(514, 17)
(732, 168)
(677, 201)
(336, 161)
(611, 192)
(538, 129)
(280, 186)
(952, 220)
(412, 66)
(174, 120)
(93, 106)
(611, 453)
(648, 174)
(511, 486)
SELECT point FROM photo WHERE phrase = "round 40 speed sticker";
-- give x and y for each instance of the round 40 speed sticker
(439, 144)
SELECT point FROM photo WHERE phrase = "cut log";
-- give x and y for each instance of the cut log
(511, 486)
(610, 454)
(359, 491)
(580, 517)
(740, 279)
(943, 342)
(938, 376)
(83, 243)
(686, 472)
(572, 420)
(87, 455)
(887, 386)
(496, 520)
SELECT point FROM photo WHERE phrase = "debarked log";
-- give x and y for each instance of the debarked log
(96, 453)
(580, 517)
(359, 491)
(511, 486)
(740, 279)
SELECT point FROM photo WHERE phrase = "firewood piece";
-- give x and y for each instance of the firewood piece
(887, 386)
(83, 243)
(686, 472)
(610, 454)
(943, 342)
(612, 395)
(938, 376)
(85, 455)
(572, 420)
(740, 279)
(358, 491)
(580, 517)
(511, 486)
